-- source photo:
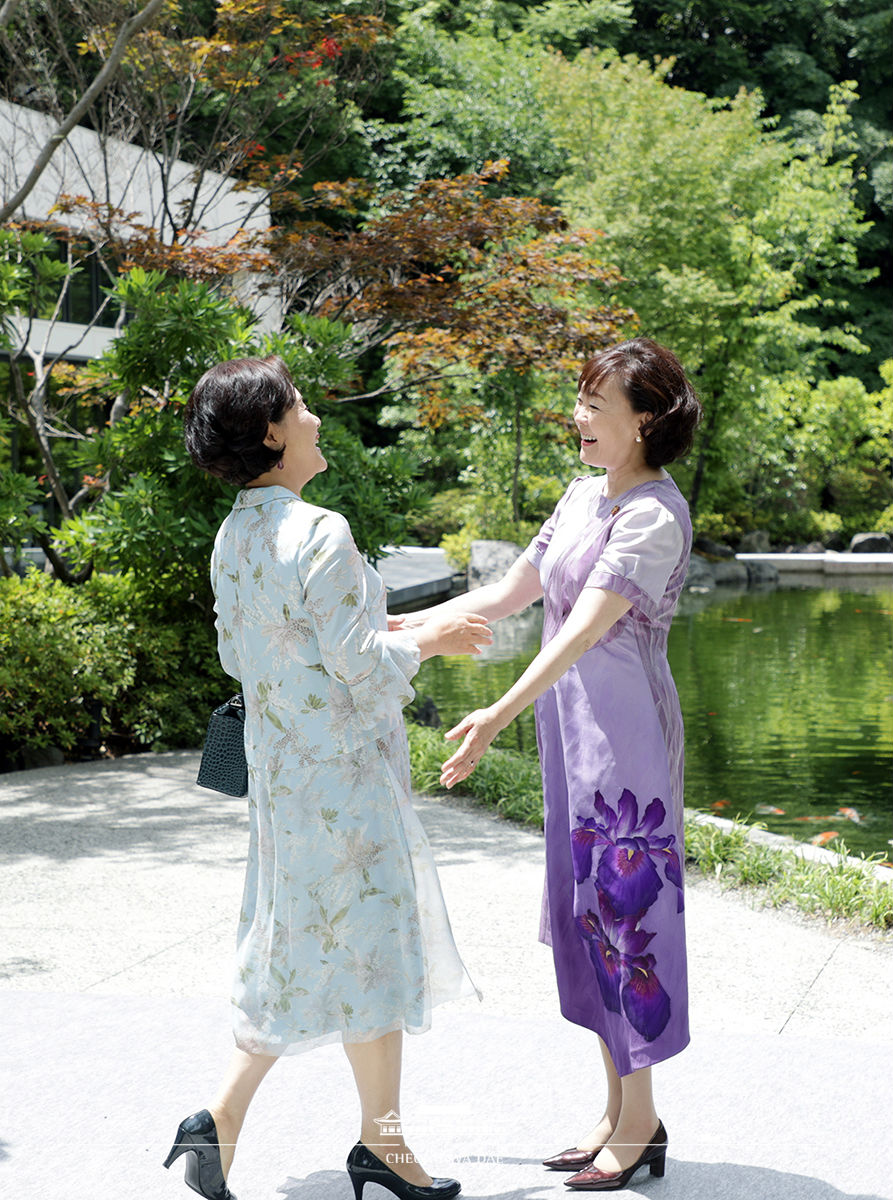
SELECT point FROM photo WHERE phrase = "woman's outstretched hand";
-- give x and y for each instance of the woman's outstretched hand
(478, 730)
(410, 620)
(459, 633)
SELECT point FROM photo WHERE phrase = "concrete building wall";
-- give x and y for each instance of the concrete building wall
(129, 178)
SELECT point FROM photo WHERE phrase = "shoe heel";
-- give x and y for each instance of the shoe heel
(358, 1182)
(658, 1165)
(179, 1147)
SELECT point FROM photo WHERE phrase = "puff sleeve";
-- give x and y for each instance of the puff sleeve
(540, 543)
(644, 548)
(374, 664)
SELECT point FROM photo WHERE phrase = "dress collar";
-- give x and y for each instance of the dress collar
(254, 497)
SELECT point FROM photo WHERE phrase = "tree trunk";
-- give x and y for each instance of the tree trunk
(32, 409)
(7, 12)
(516, 465)
(60, 568)
(127, 31)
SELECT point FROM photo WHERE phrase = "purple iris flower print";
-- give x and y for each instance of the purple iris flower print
(605, 958)
(645, 1002)
(625, 973)
(627, 882)
(626, 871)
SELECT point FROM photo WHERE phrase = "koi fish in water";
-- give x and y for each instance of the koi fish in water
(822, 839)
(851, 814)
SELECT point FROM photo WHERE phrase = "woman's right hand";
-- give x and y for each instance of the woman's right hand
(459, 633)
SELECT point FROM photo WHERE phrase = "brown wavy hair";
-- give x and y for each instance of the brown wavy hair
(654, 382)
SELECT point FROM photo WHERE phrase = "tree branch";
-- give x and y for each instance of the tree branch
(125, 34)
(405, 385)
(8, 11)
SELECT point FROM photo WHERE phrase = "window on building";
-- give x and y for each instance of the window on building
(85, 295)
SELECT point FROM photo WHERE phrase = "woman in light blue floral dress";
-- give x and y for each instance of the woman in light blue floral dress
(343, 934)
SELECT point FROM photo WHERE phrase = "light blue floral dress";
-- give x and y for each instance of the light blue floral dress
(343, 933)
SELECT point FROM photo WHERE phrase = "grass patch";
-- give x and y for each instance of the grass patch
(840, 889)
(507, 781)
(836, 890)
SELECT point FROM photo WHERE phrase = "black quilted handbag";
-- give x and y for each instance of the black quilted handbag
(223, 767)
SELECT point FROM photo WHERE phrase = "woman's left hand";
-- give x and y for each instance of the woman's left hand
(478, 730)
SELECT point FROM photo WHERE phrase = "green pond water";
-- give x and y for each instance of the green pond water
(787, 697)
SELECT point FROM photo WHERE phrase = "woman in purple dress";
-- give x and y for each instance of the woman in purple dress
(610, 563)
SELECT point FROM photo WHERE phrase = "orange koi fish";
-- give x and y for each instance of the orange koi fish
(822, 839)
(851, 814)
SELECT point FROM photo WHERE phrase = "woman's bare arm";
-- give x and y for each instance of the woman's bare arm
(518, 588)
(595, 611)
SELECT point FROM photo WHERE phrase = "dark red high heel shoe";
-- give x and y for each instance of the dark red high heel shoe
(571, 1160)
(197, 1137)
(594, 1180)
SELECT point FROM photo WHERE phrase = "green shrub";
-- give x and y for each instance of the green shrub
(496, 525)
(443, 517)
(457, 546)
(54, 660)
(718, 527)
(883, 521)
(509, 782)
(104, 653)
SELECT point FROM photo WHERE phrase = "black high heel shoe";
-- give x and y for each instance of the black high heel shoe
(364, 1167)
(596, 1180)
(197, 1137)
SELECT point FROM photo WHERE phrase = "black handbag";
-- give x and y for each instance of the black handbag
(223, 767)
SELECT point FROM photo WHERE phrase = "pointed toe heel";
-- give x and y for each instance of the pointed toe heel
(593, 1179)
(365, 1167)
(197, 1138)
(571, 1160)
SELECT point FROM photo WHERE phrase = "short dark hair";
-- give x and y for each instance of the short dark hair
(654, 382)
(228, 414)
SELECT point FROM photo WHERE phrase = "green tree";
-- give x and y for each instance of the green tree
(732, 242)
(468, 83)
(467, 99)
(794, 52)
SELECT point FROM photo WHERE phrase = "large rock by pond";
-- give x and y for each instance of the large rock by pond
(755, 542)
(705, 574)
(761, 574)
(870, 543)
(700, 577)
(705, 545)
(489, 561)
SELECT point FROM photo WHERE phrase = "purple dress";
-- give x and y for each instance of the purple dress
(610, 742)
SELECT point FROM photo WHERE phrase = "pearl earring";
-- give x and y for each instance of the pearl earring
(638, 437)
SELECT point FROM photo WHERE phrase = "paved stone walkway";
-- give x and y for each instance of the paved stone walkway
(119, 888)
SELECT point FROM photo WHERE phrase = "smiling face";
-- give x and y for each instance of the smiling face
(608, 427)
(298, 433)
